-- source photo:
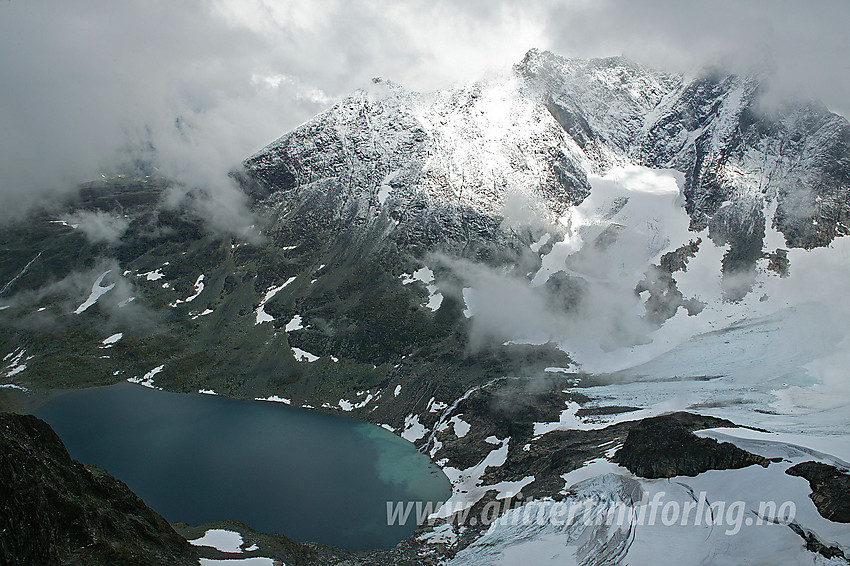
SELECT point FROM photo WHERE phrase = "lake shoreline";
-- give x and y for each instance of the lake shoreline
(350, 466)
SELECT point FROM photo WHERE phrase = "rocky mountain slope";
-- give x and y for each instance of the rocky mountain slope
(481, 146)
(532, 257)
(57, 511)
(361, 198)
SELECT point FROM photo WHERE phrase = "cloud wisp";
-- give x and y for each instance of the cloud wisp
(189, 89)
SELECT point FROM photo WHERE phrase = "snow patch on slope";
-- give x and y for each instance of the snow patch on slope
(221, 539)
(147, 379)
(199, 287)
(413, 429)
(15, 364)
(303, 355)
(110, 341)
(426, 276)
(262, 315)
(386, 188)
(274, 398)
(294, 324)
(97, 291)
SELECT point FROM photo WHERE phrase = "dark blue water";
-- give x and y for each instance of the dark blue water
(199, 458)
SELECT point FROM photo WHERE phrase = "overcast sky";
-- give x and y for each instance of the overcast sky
(85, 84)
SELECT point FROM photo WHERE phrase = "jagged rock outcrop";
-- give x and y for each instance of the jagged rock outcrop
(830, 489)
(747, 162)
(441, 170)
(437, 170)
(814, 544)
(665, 446)
(54, 510)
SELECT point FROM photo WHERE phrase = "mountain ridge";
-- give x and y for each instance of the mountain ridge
(612, 112)
(509, 257)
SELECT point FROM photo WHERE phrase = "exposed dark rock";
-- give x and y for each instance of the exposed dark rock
(778, 262)
(677, 260)
(665, 446)
(664, 297)
(830, 489)
(814, 544)
(54, 510)
(605, 410)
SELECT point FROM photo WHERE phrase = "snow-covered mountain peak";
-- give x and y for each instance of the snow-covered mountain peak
(533, 136)
(710, 234)
(610, 98)
(491, 140)
(385, 150)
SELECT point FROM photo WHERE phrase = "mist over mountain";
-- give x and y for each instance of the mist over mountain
(189, 89)
(564, 270)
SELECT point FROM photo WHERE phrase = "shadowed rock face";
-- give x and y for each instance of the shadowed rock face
(814, 544)
(664, 446)
(830, 489)
(54, 510)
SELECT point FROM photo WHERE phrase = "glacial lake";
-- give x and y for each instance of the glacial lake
(198, 458)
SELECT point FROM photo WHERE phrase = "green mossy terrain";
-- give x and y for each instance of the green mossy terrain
(349, 292)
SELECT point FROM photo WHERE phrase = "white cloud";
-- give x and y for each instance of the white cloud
(197, 86)
(99, 227)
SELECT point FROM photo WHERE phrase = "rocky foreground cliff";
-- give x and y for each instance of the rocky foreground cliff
(54, 510)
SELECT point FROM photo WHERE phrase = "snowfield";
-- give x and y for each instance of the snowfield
(782, 348)
(775, 359)
(97, 291)
(717, 517)
(262, 315)
(221, 539)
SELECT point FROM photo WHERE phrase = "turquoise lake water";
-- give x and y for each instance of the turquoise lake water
(199, 458)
